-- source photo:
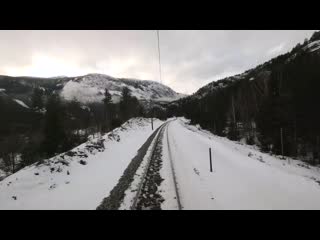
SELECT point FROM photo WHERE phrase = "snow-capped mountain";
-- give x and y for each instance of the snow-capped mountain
(86, 89)
(91, 88)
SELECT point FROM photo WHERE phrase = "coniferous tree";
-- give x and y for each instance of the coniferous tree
(107, 97)
(13, 145)
(54, 135)
(125, 104)
(129, 105)
(107, 101)
(37, 98)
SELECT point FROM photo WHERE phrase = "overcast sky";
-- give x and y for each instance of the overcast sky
(190, 59)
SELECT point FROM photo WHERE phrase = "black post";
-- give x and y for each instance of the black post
(152, 123)
(318, 146)
(281, 140)
(210, 160)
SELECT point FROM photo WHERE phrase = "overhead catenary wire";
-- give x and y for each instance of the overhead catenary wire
(159, 55)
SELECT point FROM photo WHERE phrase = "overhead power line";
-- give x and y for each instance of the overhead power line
(159, 55)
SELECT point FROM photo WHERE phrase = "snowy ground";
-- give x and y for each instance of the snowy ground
(79, 179)
(242, 177)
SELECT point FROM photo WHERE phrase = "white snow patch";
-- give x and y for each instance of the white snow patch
(21, 103)
(313, 46)
(74, 90)
(315, 49)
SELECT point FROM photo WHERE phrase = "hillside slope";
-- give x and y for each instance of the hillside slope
(90, 88)
(86, 89)
(282, 93)
(80, 178)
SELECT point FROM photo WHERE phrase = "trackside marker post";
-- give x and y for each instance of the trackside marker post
(210, 159)
(152, 123)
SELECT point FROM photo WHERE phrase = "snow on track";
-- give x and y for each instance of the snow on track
(169, 187)
(124, 195)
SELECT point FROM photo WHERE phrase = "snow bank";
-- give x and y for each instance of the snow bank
(80, 178)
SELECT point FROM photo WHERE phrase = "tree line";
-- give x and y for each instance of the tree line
(61, 125)
(274, 106)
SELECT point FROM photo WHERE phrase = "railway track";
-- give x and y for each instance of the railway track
(173, 172)
(148, 197)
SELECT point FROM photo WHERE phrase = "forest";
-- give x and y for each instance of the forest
(274, 105)
(54, 125)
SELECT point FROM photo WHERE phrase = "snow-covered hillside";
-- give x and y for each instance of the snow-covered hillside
(313, 46)
(80, 178)
(91, 87)
(261, 71)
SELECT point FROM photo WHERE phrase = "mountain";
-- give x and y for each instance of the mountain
(262, 72)
(277, 98)
(20, 119)
(21, 88)
(86, 89)
(91, 87)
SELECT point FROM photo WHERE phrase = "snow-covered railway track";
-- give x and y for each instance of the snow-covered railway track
(141, 185)
(173, 172)
(125, 186)
(148, 196)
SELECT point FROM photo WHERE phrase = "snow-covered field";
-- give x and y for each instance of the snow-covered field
(242, 177)
(79, 179)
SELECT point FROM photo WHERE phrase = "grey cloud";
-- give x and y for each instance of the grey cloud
(190, 59)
